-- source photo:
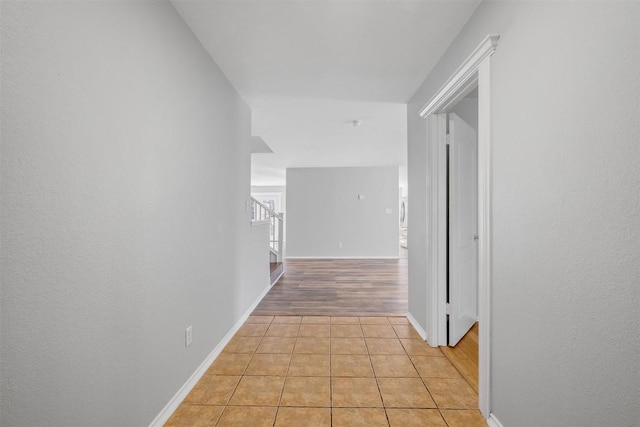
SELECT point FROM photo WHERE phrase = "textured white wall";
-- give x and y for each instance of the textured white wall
(125, 171)
(323, 210)
(252, 265)
(566, 180)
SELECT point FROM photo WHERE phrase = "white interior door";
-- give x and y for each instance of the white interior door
(463, 228)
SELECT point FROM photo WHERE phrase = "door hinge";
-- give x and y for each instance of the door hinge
(448, 139)
(448, 308)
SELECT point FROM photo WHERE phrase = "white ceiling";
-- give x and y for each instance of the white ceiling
(307, 68)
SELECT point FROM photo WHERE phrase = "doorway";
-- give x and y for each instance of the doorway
(462, 237)
(473, 72)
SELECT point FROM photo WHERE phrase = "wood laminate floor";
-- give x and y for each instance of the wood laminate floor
(354, 287)
(464, 356)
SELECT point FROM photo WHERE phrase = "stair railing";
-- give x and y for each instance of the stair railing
(261, 213)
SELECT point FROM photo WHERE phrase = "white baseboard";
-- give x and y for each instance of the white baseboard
(342, 257)
(417, 326)
(177, 399)
(493, 421)
(276, 281)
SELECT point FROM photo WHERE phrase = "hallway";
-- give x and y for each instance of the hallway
(330, 371)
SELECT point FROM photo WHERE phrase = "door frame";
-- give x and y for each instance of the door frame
(474, 70)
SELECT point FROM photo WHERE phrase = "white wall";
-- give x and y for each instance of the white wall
(467, 110)
(566, 174)
(125, 171)
(252, 267)
(323, 210)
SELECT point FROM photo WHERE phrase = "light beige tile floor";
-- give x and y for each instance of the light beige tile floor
(329, 371)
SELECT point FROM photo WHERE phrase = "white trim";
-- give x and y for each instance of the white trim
(417, 326)
(475, 69)
(460, 78)
(275, 195)
(177, 399)
(484, 234)
(441, 231)
(342, 257)
(277, 278)
(261, 222)
(438, 221)
(492, 421)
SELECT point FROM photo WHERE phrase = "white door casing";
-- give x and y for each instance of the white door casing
(463, 228)
(475, 68)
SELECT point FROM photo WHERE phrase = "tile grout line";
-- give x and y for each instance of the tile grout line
(375, 376)
(242, 375)
(384, 407)
(330, 372)
(295, 341)
(445, 420)
(421, 379)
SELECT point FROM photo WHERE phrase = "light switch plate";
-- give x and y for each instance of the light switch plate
(188, 336)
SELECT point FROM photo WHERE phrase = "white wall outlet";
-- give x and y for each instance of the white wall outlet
(339, 244)
(388, 210)
(188, 336)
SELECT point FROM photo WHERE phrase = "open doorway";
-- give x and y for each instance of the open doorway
(462, 236)
(462, 217)
(473, 73)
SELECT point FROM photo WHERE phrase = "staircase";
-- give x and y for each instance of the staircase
(261, 213)
(276, 271)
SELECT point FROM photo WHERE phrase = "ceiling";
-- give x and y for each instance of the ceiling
(309, 68)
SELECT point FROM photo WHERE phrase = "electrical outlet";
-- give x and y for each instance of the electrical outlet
(188, 336)
(339, 244)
